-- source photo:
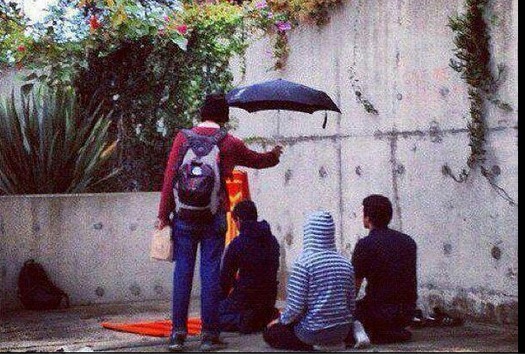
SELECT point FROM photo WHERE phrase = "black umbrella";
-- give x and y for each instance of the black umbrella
(281, 94)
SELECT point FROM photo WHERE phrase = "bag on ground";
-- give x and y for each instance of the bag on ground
(36, 291)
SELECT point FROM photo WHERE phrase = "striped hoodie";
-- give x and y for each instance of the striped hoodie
(321, 287)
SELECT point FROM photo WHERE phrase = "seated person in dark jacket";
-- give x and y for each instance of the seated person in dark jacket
(387, 259)
(249, 274)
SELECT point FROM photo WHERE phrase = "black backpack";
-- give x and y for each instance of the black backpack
(198, 178)
(35, 289)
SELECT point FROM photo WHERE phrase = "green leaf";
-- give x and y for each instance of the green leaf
(180, 41)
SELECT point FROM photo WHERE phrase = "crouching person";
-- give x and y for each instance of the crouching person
(387, 259)
(320, 294)
(249, 274)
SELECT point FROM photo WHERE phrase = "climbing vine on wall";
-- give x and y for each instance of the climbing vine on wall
(358, 91)
(473, 61)
(278, 17)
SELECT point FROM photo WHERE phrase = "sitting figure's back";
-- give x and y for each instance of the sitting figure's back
(320, 293)
(249, 273)
(387, 260)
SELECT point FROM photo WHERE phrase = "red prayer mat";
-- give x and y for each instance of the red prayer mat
(154, 328)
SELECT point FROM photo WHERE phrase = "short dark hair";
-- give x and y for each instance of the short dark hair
(215, 108)
(379, 209)
(245, 211)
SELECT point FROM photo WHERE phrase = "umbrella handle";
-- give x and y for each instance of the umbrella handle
(325, 119)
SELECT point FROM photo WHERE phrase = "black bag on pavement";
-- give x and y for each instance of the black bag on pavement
(36, 291)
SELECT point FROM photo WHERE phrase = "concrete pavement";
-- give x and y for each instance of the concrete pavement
(79, 327)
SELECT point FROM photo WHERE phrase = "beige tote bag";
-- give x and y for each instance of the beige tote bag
(162, 245)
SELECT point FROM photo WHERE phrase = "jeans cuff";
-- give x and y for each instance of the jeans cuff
(179, 332)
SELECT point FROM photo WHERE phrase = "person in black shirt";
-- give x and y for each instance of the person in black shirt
(387, 259)
(248, 276)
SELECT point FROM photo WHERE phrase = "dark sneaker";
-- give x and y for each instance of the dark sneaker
(177, 343)
(212, 344)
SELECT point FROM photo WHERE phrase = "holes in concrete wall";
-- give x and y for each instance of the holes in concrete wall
(512, 273)
(400, 169)
(436, 135)
(98, 226)
(447, 249)
(323, 173)
(287, 177)
(496, 253)
(158, 289)
(444, 91)
(358, 170)
(135, 289)
(99, 291)
(288, 239)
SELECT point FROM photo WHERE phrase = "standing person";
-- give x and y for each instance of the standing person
(249, 274)
(320, 293)
(387, 260)
(194, 192)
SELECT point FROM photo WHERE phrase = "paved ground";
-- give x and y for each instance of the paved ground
(77, 328)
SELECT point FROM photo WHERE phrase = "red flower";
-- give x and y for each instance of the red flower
(21, 48)
(94, 23)
(182, 29)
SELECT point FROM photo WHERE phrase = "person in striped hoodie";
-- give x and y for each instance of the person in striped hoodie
(320, 293)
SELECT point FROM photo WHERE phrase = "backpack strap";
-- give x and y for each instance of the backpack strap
(203, 144)
(217, 137)
(183, 149)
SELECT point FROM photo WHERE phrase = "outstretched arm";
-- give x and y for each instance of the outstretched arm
(253, 159)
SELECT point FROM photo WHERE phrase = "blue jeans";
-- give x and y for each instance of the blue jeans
(187, 236)
(327, 336)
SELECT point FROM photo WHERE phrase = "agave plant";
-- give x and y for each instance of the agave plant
(48, 145)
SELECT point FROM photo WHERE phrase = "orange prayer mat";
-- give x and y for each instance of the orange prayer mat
(154, 328)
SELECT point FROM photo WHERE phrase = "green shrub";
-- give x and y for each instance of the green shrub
(49, 145)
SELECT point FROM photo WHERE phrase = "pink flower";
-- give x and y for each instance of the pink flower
(161, 32)
(94, 23)
(270, 14)
(283, 26)
(182, 29)
(261, 5)
(21, 48)
(166, 18)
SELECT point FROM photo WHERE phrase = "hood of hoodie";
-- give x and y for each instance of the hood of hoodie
(319, 232)
(255, 229)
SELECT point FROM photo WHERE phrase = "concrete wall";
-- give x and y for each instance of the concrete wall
(396, 52)
(95, 247)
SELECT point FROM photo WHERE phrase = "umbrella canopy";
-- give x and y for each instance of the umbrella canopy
(280, 94)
